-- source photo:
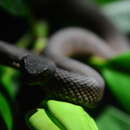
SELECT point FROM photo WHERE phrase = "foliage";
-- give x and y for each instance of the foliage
(116, 72)
(58, 115)
(5, 112)
(113, 119)
(16, 7)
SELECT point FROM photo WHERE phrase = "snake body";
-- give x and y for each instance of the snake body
(75, 81)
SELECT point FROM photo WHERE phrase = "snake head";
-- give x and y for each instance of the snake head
(37, 69)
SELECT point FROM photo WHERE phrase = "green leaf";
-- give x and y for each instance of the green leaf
(119, 84)
(16, 7)
(40, 31)
(9, 80)
(122, 61)
(119, 14)
(116, 72)
(40, 121)
(58, 115)
(5, 112)
(72, 117)
(113, 119)
(118, 62)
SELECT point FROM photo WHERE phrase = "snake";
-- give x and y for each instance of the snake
(70, 79)
(78, 82)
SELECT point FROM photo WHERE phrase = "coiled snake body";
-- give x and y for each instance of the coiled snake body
(75, 81)
(70, 79)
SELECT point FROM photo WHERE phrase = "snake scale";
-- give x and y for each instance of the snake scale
(75, 81)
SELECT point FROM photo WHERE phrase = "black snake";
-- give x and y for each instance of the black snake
(74, 80)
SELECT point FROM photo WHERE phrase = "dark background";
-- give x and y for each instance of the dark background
(11, 27)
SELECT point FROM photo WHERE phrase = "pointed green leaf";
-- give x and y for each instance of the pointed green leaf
(70, 116)
(58, 115)
(119, 84)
